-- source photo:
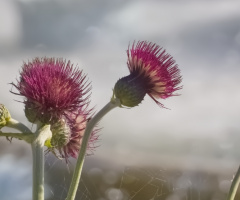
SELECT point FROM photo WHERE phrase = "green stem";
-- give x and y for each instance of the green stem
(78, 169)
(41, 135)
(12, 123)
(234, 186)
(28, 137)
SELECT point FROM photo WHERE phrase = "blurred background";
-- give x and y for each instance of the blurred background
(188, 152)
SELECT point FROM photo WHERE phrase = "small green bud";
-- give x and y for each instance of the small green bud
(60, 134)
(129, 90)
(4, 116)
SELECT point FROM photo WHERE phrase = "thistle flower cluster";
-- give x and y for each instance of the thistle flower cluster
(56, 93)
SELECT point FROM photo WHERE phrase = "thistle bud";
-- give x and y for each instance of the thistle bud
(129, 90)
(60, 134)
(4, 116)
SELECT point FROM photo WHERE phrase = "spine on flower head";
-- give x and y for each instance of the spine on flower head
(4, 116)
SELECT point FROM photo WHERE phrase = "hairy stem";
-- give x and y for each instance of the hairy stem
(12, 123)
(28, 137)
(41, 135)
(79, 165)
(234, 186)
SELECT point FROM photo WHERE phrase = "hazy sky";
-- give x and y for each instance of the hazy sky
(203, 37)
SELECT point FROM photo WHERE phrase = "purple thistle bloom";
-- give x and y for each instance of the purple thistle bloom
(52, 87)
(68, 134)
(152, 72)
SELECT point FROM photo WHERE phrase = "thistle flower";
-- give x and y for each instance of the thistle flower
(52, 87)
(67, 134)
(152, 72)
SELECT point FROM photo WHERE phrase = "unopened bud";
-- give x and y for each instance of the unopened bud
(60, 134)
(130, 91)
(4, 116)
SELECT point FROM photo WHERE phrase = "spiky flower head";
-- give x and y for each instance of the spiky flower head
(67, 134)
(152, 72)
(52, 87)
(4, 116)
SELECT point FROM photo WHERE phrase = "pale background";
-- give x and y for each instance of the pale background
(201, 129)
